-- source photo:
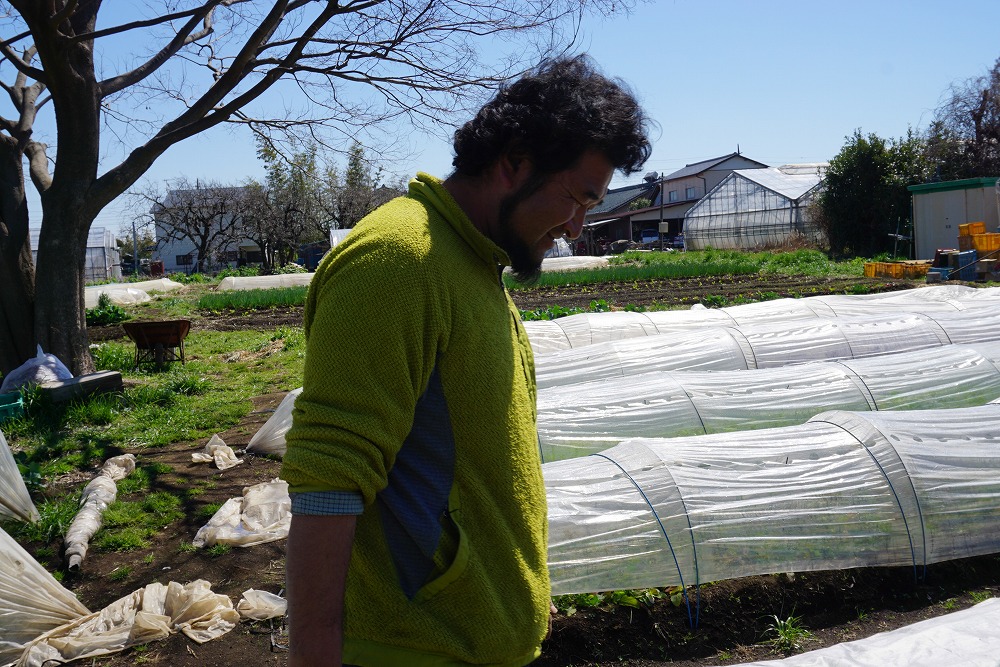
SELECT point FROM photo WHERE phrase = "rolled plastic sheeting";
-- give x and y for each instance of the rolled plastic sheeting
(15, 501)
(148, 614)
(768, 345)
(99, 493)
(262, 514)
(587, 417)
(264, 282)
(270, 438)
(261, 605)
(32, 602)
(846, 489)
(970, 638)
(548, 336)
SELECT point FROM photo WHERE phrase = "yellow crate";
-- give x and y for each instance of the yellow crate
(915, 269)
(970, 228)
(984, 243)
(890, 270)
(965, 243)
(870, 268)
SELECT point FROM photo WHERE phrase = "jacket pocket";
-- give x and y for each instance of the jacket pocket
(454, 543)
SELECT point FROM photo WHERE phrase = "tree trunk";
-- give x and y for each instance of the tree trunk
(17, 272)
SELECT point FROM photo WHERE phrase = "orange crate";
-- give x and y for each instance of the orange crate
(970, 228)
(915, 269)
(965, 243)
(984, 243)
(870, 268)
(890, 270)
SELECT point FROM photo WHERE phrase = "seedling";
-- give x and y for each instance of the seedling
(787, 634)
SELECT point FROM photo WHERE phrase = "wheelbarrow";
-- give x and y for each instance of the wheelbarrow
(159, 342)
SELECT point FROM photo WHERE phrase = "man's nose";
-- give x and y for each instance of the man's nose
(574, 226)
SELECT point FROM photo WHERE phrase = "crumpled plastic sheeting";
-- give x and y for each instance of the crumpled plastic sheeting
(39, 369)
(270, 438)
(97, 495)
(150, 613)
(218, 451)
(970, 638)
(261, 605)
(32, 602)
(262, 514)
(14, 498)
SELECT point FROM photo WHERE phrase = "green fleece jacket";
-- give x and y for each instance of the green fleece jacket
(419, 394)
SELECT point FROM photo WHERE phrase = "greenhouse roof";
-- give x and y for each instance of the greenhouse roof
(788, 185)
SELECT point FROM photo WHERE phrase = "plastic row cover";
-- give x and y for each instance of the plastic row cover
(769, 345)
(845, 490)
(264, 282)
(585, 418)
(99, 493)
(549, 336)
(15, 501)
(129, 292)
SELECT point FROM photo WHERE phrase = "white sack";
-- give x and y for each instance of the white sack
(218, 451)
(150, 613)
(32, 602)
(14, 498)
(39, 369)
(262, 514)
(270, 438)
(97, 496)
(970, 638)
(261, 605)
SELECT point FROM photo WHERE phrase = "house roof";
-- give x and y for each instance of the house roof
(787, 181)
(618, 199)
(705, 165)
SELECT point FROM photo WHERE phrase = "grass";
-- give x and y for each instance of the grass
(787, 634)
(253, 299)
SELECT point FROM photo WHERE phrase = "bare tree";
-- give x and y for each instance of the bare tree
(208, 216)
(196, 65)
(964, 138)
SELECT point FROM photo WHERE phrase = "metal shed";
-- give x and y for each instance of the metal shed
(939, 208)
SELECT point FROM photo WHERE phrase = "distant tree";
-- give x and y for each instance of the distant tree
(209, 216)
(361, 190)
(194, 66)
(963, 140)
(865, 200)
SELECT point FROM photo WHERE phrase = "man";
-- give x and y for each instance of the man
(413, 456)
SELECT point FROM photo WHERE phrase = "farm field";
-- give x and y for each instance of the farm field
(737, 619)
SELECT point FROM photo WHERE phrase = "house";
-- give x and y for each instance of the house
(939, 208)
(623, 214)
(755, 208)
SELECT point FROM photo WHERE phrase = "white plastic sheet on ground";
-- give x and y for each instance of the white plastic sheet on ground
(768, 345)
(264, 282)
(261, 605)
(217, 451)
(846, 489)
(125, 293)
(262, 514)
(966, 638)
(587, 417)
(270, 438)
(150, 613)
(15, 501)
(32, 602)
(99, 493)
(549, 336)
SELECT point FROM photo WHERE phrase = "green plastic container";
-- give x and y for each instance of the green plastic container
(11, 406)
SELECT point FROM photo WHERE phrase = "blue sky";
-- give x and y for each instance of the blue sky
(784, 81)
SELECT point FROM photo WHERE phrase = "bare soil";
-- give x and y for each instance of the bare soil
(732, 616)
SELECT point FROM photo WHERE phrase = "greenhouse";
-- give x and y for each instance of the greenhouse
(846, 489)
(588, 417)
(755, 208)
(102, 260)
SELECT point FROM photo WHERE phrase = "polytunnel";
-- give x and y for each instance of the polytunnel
(769, 345)
(548, 336)
(588, 417)
(846, 489)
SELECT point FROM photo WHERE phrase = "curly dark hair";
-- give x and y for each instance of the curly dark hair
(552, 116)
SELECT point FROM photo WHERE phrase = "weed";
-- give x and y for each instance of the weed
(187, 548)
(105, 313)
(950, 604)
(55, 516)
(120, 573)
(149, 558)
(714, 301)
(113, 357)
(188, 386)
(787, 634)
(218, 549)
(980, 596)
(208, 511)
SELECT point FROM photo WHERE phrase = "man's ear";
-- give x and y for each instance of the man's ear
(515, 168)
